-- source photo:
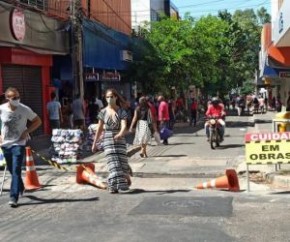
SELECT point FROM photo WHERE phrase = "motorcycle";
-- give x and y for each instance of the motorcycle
(214, 132)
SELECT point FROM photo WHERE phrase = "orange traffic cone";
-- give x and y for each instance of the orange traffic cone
(86, 174)
(230, 181)
(31, 178)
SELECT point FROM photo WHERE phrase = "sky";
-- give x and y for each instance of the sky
(197, 8)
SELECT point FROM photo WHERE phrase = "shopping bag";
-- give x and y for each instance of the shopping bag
(157, 137)
(165, 133)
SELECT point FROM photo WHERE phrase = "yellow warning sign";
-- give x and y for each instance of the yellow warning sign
(267, 148)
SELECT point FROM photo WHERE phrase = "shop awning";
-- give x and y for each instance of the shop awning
(103, 47)
(281, 55)
(272, 68)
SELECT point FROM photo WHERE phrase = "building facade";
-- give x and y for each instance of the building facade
(29, 39)
(275, 51)
(105, 30)
(146, 11)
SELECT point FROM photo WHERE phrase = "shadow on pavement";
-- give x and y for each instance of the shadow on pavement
(184, 143)
(280, 193)
(169, 156)
(223, 147)
(239, 124)
(263, 121)
(44, 201)
(161, 192)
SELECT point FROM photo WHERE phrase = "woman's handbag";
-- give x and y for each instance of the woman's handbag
(165, 133)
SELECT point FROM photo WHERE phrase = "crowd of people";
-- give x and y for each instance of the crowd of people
(146, 116)
(253, 104)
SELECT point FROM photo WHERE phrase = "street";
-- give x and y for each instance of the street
(163, 204)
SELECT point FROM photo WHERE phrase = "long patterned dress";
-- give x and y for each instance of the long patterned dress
(115, 151)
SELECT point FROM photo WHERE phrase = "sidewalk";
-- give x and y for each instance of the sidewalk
(172, 164)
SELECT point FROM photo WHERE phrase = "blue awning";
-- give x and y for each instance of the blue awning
(272, 68)
(103, 46)
(269, 71)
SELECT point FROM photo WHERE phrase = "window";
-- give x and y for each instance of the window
(40, 4)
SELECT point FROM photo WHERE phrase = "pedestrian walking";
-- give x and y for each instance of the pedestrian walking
(193, 111)
(14, 135)
(261, 104)
(144, 118)
(273, 103)
(163, 115)
(171, 113)
(78, 110)
(113, 122)
(99, 102)
(278, 104)
(54, 112)
(240, 104)
(256, 105)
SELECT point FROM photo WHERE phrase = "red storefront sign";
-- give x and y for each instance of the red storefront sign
(17, 24)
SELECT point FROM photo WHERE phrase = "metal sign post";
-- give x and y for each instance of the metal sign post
(3, 179)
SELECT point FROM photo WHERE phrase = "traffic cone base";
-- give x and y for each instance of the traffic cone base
(86, 174)
(229, 181)
(31, 179)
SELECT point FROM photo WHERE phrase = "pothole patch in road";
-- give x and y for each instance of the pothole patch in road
(185, 206)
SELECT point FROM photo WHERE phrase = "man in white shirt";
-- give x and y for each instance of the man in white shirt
(14, 135)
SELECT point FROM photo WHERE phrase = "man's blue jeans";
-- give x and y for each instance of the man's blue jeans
(14, 158)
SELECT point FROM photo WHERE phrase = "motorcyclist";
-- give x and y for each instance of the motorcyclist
(216, 110)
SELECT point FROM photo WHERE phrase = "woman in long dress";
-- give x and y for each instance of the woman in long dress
(112, 120)
(143, 117)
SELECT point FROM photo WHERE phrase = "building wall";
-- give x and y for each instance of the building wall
(59, 9)
(112, 13)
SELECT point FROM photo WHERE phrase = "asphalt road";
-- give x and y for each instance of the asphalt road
(159, 208)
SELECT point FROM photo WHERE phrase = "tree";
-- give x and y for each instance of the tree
(214, 53)
(263, 16)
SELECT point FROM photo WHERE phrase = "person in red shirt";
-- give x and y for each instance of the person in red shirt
(216, 110)
(193, 110)
(163, 115)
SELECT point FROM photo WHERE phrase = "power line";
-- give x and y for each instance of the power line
(139, 12)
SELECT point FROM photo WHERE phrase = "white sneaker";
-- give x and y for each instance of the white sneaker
(13, 204)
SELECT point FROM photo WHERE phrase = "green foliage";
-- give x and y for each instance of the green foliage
(214, 53)
(248, 87)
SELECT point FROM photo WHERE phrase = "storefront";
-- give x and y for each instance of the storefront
(28, 42)
(274, 65)
(106, 57)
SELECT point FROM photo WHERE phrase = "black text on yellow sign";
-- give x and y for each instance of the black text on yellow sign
(268, 152)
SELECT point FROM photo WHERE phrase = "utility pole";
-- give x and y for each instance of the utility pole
(77, 47)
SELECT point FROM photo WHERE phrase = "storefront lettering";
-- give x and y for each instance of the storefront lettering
(267, 136)
(111, 76)
(281, 23)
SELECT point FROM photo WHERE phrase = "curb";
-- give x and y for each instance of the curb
(278, 180)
